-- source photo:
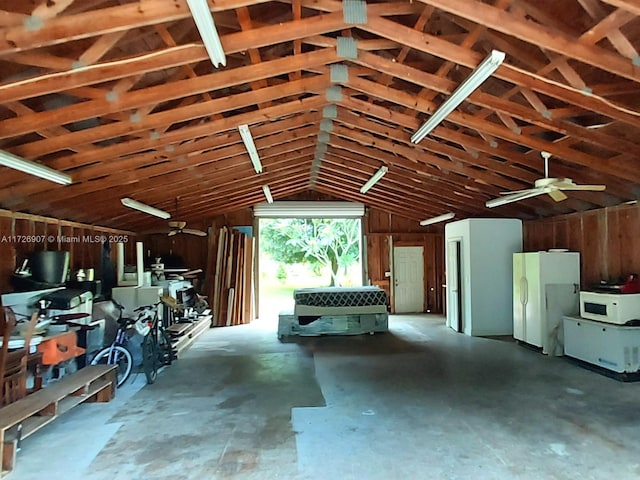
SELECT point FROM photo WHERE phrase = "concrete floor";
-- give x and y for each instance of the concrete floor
(418, 402)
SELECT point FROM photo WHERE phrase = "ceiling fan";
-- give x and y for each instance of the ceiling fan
(180, 227)
(177, 227)
(554, 187)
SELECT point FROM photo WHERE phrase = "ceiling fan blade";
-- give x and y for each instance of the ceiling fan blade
(557, 195)
(172, 233)
(193, 231)
(516, 197)
(526, 190)
(586, 188)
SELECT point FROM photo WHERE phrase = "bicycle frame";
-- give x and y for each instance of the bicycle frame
(121, 339)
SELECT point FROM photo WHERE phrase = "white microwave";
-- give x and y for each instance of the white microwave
(616, 308)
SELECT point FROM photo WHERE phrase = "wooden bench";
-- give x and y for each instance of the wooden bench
(94, 383)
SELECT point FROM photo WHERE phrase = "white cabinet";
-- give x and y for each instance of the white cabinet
(133, 297)
(546, 286)
(614, 347)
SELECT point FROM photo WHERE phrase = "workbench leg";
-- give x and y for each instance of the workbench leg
(9, 451)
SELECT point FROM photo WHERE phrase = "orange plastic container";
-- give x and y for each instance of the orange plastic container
(59, 348)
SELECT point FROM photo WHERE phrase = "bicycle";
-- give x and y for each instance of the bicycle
(157, 350)
(117, 353)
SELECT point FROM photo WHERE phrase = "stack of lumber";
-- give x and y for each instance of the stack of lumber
(233, 295)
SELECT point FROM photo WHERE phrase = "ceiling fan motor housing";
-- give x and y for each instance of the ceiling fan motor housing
(551, 182)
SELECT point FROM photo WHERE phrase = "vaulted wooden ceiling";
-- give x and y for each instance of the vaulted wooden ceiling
(122, 96)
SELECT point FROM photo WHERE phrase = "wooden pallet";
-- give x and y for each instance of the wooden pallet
(189, 335)
(94, 383)
(178, 329)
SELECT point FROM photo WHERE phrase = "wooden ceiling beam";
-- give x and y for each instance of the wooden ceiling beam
(225, 104)
(400, 185)
(76, 26)
(296, 12)
(433, 45)
(121, 182)
(570, 155)
(11, 19)
(293, 170)
(145, 142)
(490, 102)
(428, 147)
(244, 19)
(83, 25)
(172, 57)
(503, 171)
(161, 191)
(21, 191)
(163, 93)
(543, 36)
(333, 182)
(235, 166)
(430, 164)
(632, 6)
(187, 141)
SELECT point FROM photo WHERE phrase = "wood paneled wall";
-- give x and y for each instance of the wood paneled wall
(379, 228)
(190, 249)
(385, 231)
(199, 252)
(22, 234)
(608, 240)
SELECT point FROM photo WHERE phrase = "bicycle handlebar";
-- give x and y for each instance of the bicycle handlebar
(147, 307)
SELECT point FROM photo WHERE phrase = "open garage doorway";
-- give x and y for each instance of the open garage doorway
(306, 244)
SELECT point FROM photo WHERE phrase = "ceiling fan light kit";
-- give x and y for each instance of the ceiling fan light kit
(207, 28)
(554, 187)
(143, 207)
(440, 218)
(466, 88)
(375, 178)
(32, 168)
(245, 133)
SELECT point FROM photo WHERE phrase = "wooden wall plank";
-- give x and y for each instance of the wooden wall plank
(611, 241)
(606, 239)
(33, 233)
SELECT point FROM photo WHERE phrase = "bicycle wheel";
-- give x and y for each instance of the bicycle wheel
(165, 349)
(120, 357)
(150, 358)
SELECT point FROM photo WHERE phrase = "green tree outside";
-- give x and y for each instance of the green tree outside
(333, 243)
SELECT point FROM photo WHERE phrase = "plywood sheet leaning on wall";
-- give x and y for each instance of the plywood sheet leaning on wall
(233, 291)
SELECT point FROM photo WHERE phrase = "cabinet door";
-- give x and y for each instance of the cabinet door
(560, 300)
(534, 301)
(519, 296)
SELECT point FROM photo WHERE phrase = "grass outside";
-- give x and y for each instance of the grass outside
(276, 296)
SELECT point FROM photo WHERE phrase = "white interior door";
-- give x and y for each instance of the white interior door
(408, 272)
(454, 305)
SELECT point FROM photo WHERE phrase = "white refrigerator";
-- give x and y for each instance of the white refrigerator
(546, 287)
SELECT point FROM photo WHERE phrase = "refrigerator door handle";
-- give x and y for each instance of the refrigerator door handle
(524, 294)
